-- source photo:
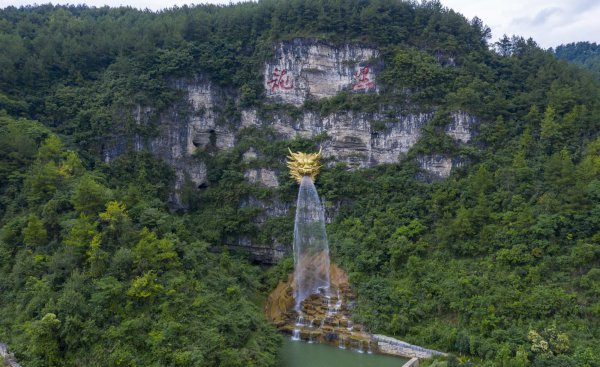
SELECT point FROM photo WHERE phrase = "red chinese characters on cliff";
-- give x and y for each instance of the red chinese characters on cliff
(362, 81)
(280, 81)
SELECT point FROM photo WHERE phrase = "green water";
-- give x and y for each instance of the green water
(302, 354)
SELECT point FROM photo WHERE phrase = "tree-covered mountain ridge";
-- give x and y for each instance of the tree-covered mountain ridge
(115, 117)
(586, 54)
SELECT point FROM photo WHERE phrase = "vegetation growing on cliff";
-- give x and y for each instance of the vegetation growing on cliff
(498, 264)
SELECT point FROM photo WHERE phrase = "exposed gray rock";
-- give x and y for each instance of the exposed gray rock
(271, 209)
(195, 171)
(357, 138)
(186, 169)
(331, 210)
(263, 176)
(250, 155)
(7, 358)
(462, 126)
(203, 100)
(249, 118)
(268, 253)
(438, 166)
(304, 69)
(190, 124)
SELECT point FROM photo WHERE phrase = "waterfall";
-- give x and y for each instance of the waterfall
(296, 334)
(361, 348)
(311, 251)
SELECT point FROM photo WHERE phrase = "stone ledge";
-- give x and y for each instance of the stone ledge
(388, 345)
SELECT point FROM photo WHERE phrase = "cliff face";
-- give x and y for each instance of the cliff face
(356, 138)
(303, 69)
(299, 71)
(437, 166)
(359, 139)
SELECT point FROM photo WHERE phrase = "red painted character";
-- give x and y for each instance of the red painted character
(277, 82)
(362, 79)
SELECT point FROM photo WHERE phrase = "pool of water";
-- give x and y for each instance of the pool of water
(303, 354)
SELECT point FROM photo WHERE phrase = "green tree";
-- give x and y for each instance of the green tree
(151, 253)
(90, 197)
(82, 232)
(550, 130)
(35, 233)
(45, 341)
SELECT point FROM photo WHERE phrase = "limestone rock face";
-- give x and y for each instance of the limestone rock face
(438, 166)
(189, 125)
(357, 138)
(250, 154)
(462, 126)
(203, 99)
(7, 358)
(303, 69)
(300, 70)
(263, 176)
(271, 208)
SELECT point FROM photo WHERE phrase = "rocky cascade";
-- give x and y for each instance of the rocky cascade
(321, 318)
(327, 319)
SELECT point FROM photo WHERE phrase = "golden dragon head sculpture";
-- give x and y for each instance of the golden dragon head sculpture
(304, 164)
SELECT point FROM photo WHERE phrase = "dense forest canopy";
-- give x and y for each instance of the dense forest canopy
(585, 54)
(499, 264)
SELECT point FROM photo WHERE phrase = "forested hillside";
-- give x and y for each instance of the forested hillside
(585, 54)
(498, 264)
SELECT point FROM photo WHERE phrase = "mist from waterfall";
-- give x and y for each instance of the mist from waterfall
(311, 250)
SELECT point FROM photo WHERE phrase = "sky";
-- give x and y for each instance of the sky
(549, 22)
